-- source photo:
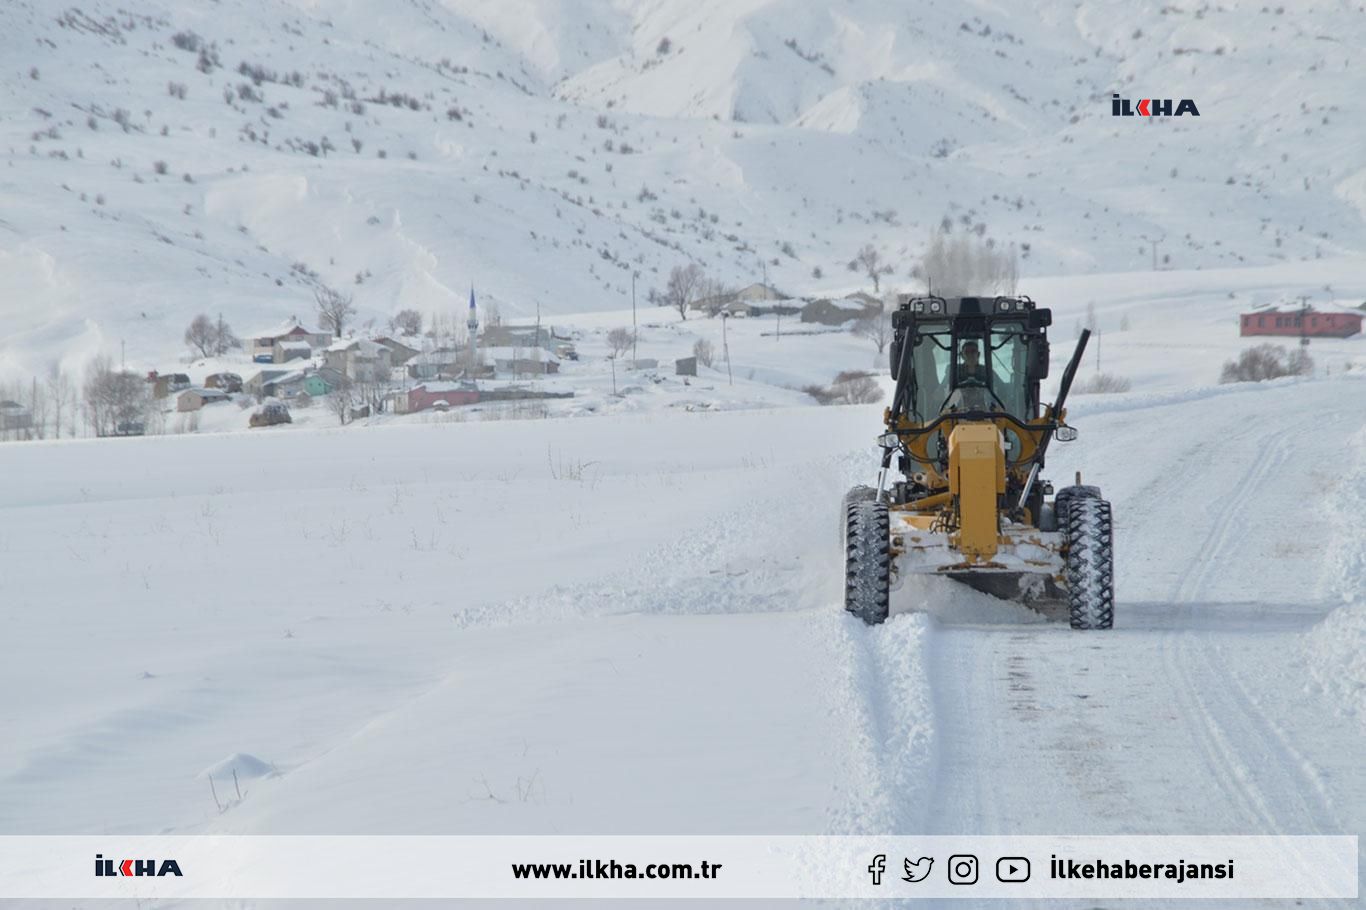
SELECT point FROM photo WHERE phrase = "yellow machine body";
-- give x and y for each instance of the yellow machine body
(961, 528)
(977, 478)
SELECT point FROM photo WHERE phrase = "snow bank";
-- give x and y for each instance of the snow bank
(1336, 647)
(246, 766)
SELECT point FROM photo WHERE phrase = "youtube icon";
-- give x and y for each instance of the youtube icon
(1012, 869)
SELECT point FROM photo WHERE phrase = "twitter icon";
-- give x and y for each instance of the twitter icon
(918, 870)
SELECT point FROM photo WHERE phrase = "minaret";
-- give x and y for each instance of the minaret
(472, 324)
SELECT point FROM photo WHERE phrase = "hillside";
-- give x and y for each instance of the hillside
(227, 156)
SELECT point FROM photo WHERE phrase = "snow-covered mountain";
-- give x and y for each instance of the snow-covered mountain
(226, 156)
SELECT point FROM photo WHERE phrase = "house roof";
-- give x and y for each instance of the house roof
(11, 405)
(295, 346)
(441, 388)
(291, 377)
(288, 327)
(268, 375)
(759, 291)
(505, 352)
(437, 358)
(206, 394)
(365, 346)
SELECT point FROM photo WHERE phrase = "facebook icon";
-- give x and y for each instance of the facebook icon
(878, 867)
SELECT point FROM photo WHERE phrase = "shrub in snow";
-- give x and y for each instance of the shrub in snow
(702, 350)
(1104, 384)
(848, 388)
(1267, 361)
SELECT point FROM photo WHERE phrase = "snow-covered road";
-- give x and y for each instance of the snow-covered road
(633, 625)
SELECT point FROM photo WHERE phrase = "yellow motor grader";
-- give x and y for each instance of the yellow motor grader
(963, 449)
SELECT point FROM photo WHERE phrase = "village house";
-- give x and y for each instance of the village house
(438, 364)
(522, 336)
(228, 382)
(258, 384)
(264, 344)
(427, 395)
(735, 302)
(519, 361)
(360, 360)
(164, 384)
(399, 353)
(838, 312)
(286, 350)
(1307, 322)
(310, 382)
(14, 416)
(194, 399)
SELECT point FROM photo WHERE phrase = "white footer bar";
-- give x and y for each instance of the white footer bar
(667, 866)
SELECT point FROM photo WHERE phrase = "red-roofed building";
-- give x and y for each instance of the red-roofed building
(1308, 322)
(425, 395)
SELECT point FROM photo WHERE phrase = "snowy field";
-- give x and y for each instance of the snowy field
(632, 625)
(620, 613)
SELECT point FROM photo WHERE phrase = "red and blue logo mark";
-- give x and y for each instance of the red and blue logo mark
(135, 867)
(1152, 107)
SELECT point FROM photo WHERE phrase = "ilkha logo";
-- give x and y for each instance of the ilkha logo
(135, 867)
(1152, 107)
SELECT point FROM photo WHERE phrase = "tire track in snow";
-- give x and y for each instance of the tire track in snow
(1220, 713)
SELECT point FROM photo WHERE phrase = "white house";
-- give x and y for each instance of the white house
(360, 359)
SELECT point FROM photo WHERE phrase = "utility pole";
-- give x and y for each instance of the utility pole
(544, 365)
(777, 308)
(725, 346)
(634, 331)
(1153, 243)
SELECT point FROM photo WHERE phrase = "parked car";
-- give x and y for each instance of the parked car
(270, 413)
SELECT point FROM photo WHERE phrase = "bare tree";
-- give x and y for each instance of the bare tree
(335, 309)
(224, 339)
(492, 315)
(619, 340)
(114, 399)
(956, 266)
(869, 262)
(201, 335)
(341, 399)
(876, 328)
(702, 350)
(715, 290)
(681, 290)
(59, 392)
(209, 337)
(406, 322)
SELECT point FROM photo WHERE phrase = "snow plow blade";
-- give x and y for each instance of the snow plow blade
(1038, 592)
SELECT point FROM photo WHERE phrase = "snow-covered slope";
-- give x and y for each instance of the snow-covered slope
(544, 152)
(520, 627)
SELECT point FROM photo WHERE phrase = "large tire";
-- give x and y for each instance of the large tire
(860, 493)
(1090, 563)
(867, 565)
(1068, 495)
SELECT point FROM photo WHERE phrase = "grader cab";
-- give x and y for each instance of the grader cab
(960, 493)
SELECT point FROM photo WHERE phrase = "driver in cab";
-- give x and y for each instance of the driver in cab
(970, 392)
